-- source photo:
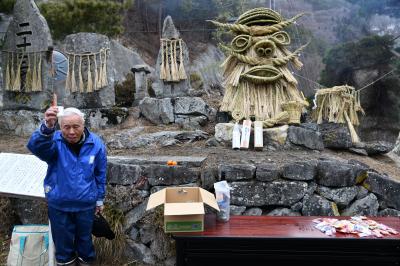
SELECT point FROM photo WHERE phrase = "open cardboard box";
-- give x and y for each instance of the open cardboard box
(183, 207)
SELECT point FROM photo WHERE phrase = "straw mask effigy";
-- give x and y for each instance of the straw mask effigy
(257, 80)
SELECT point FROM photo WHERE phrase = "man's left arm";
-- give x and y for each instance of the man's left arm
(100, 177)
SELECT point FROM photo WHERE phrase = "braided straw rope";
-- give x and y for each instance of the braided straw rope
(281, 118)
(256, 30)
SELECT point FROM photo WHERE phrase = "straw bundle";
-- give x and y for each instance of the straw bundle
(89, 87)
(334, 103)
(80, 77)
(182, 72)
(174, 68)
(8, 74)
(293, 108)
(163, 74)
(169, 69)
(14, 80)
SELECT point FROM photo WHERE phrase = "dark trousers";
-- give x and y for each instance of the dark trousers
(72, 234)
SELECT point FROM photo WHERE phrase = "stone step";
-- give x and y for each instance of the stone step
(186, 161)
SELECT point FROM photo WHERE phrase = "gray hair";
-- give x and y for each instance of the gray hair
(70, 111)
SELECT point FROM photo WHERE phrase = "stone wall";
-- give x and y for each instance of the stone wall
(323, 186)
(327, 187)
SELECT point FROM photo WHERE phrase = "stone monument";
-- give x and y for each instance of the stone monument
(26, 59)
(170, 67)
(90, 79)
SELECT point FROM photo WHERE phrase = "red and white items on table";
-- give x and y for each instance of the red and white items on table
(358, 225)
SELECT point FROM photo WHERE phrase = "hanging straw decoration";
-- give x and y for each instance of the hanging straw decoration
(8, 74)
(163, 74)
(34, 74)
(68, 78)
(17, 80)
(174, 67)
(339, 104)
(98, 81)
(167, 63)
(96, 72)
(89, 77)
(182, 72)
(39, 74)
(29, 77)
(12, 73)
(73, 81)
(80, 78)
(103, 75)
(333, 103)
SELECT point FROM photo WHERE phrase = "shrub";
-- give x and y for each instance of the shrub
(6, 6)
(72, 16)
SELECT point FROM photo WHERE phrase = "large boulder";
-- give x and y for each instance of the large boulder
(341, 196)
(367, 206)
(223, 133)
(335, 136)
(275, 136)
(158, 111)
(385, 187)
(304, 170)
(305, 137)
(193, 106)
(377, 147)
(236, 172)
(283, 193)
(315, 205)
(268, 172)
(20, 123)
(205, 65)
(124, 60)
(170, 175)
(333, 173)
(192, 112)
(396, 148)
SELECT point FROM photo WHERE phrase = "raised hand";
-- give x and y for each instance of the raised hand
(50, 116)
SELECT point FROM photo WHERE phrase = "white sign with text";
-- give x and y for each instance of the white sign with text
(22, 175)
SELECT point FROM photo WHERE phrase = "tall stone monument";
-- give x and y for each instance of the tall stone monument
(90, 78)
(172, 60)
(26, 59)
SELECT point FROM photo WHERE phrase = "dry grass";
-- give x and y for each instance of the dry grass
(110, 252)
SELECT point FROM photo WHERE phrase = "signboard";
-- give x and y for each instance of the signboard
(22, 175)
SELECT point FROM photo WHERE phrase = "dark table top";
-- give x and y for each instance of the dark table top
(278, 227)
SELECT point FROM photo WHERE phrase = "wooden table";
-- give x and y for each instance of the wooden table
(273, 240)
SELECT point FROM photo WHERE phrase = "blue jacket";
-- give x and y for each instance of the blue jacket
(72, 183)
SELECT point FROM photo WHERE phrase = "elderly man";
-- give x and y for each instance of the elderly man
(75, 182)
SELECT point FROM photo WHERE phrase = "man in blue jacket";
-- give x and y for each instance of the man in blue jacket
(74, 184)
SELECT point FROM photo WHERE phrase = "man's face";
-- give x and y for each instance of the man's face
(72, 128)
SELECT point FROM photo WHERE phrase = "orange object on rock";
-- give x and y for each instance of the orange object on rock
(171, 163)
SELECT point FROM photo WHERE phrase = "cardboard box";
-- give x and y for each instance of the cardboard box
(183, 207)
